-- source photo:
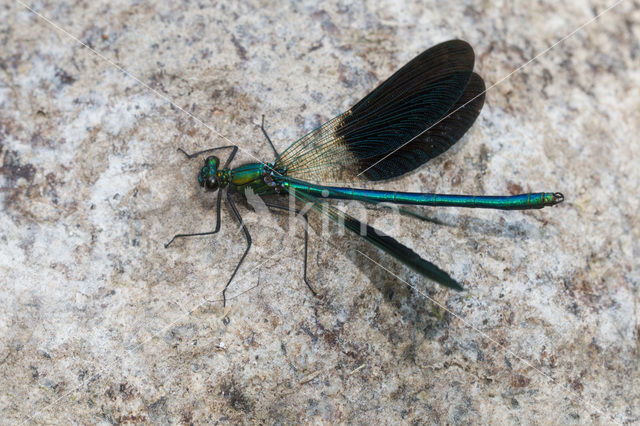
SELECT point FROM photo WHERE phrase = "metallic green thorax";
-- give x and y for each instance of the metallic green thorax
(252, 175)
(247, 176)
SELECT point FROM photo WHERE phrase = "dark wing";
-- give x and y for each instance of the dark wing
(384, 242)
(414, 98)
(433, 141)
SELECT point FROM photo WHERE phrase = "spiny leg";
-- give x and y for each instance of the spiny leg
(306, 239)
(198, 234)
(219, 202)
(204, 151)
(246, 234)
(268, 138)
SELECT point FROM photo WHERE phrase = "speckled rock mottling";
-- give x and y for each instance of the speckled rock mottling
(100, 323)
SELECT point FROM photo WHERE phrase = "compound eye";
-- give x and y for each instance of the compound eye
(212, 161)
(211, 183)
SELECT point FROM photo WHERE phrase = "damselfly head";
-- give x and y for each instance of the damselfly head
(208, 177)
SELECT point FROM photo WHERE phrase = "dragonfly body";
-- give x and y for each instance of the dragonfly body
(415, 115)
(263, 179)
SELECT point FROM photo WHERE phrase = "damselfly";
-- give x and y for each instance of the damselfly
(415, 115)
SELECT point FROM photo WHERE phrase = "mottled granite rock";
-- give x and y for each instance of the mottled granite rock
(100, 323)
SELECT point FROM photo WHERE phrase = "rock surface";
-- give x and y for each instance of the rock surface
(100, 323)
